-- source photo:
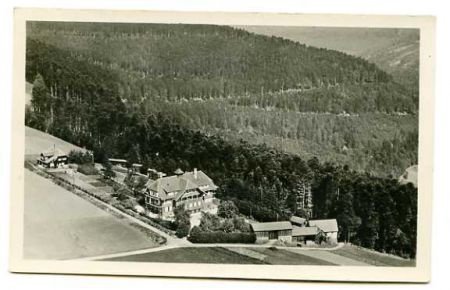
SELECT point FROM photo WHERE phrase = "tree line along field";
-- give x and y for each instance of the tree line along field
(113, 106)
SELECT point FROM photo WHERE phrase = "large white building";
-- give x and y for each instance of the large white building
(193, 190)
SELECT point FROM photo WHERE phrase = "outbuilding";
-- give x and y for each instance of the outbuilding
(53, 158)
(329, 227)
(117, 161)
(303, 234)
(273, 231)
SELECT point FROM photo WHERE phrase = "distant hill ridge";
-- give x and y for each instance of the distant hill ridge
(394, 50)
(221, 81)
(209, 61)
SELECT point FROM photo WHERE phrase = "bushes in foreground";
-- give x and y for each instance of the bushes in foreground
(79, 157)
(170, 225)
(198, 236)
(87, 169)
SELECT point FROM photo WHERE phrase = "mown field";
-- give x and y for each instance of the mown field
(37, 141)
(219, 255)
(373, 258)
(210, 255)
(345, 256)
(60, 225)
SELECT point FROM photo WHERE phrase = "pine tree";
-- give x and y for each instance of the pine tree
(41, 103)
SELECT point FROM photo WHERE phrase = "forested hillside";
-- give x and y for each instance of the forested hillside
(204, 61)
(236, 105)
(394, 50)
(227, 81)
(401, 59)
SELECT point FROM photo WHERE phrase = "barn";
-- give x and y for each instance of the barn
(273, 231)
(304, 234)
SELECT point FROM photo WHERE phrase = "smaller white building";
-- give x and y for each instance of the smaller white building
(329, 227)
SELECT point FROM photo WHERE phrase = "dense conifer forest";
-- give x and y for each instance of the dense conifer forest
(261, 115)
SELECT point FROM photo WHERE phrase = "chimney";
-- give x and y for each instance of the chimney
(195, 173)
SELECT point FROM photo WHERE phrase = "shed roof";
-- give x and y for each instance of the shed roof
(271, 226)
(297, 220)
(327, 226)
(117, 160)
(304, 231)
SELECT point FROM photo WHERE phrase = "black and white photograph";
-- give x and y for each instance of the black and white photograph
(237, 143)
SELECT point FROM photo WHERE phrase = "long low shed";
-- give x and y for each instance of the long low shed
(302, 234)
(273, 231)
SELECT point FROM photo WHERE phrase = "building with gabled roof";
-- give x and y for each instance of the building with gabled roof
(303, 234)
(329, 227)
(272, 231)
(194, 190)
(53, 158)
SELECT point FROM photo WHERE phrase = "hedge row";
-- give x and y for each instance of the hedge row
(221, 237)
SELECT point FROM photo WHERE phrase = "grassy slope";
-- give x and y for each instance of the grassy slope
(282, 257)
(192, 255)
(372, 257)
(37, 141)
(218, 255)
(61, 225)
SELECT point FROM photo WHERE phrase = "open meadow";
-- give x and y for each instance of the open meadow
(60, 225)
(37, 141)
(226, 255)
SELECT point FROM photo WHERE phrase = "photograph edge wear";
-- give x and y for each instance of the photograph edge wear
(222, 145)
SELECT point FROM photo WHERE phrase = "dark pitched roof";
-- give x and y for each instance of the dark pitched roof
(52, 151)
(179, 184)
(52, 154)
(326, 226)
(271, 226)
